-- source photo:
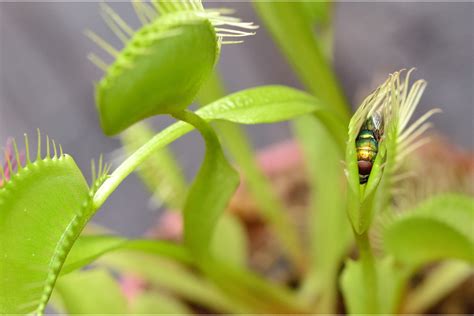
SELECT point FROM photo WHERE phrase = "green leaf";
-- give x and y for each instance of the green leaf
(248, 288)
(89, 248)
(91, 292)
(171, 276)
(266, 104)
(135, 257)
(159, 71)
(230, 235)
(152, 302)
(439, 228)
(356, 296)
(43, 208)
(210, 192)
(318, 12)
(270, 104)
(161, 172)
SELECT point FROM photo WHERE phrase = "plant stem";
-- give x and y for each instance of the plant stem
(136, 159)
(369, 272)
(161, 173)
(200, 124)
(144, 152)
(236, 142)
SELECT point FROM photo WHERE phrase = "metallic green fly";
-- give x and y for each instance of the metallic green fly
(367, 145)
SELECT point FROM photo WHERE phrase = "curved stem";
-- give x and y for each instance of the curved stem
(369, 272)
(144, 152)
(200, 124)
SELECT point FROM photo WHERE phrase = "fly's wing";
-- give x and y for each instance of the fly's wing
(376, 122)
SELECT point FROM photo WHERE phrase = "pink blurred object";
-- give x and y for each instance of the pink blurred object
(282, 164)
(132, 286)
(279, 157)
(169, 226)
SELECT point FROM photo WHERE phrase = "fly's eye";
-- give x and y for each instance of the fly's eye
(364, 167)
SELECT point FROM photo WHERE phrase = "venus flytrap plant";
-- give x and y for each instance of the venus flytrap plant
(160, 70)
(392, 105)
(395, 102)
(145, 61)
(36, 295)
(48, 196)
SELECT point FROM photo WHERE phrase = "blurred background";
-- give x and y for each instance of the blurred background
(47, 82)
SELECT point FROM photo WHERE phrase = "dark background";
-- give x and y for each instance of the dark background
(46, 81)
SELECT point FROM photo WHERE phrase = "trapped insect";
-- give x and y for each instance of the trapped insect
(367, 144)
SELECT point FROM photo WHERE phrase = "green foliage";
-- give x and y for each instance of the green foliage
(91, 292)
(239, 147)
(291, 24)
(171, 276)
(159, 71)
(443, 279)
(267, 104)
(327, 219)
(358, 299)
(90, 247)
(210, 192)
(302, 30)
(44, 207)
(250, 289)
(134, 256)
(439, 228)
(45, 204)
(230, 234)
(156, 303)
